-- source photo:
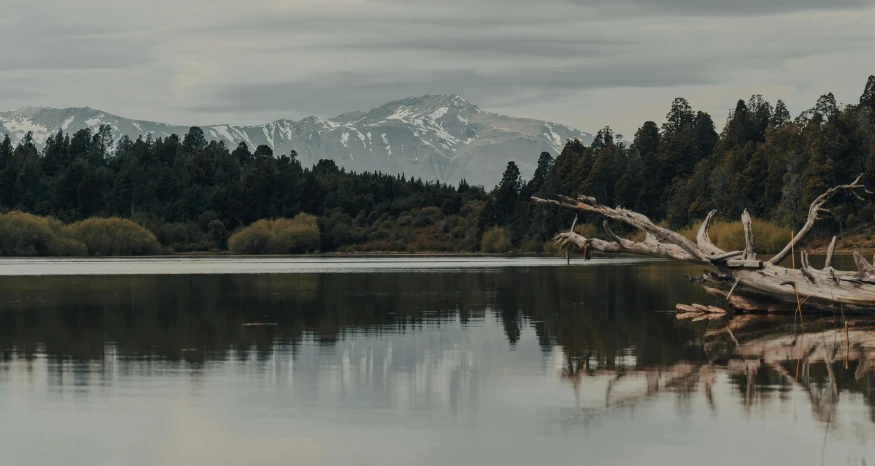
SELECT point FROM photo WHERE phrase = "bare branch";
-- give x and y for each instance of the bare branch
(702, 238)
(589, 204)
(803, 258)
(813, 210)
(664, 251)
(746, 282)
(829, 253)
(750, 249)
(866, 269)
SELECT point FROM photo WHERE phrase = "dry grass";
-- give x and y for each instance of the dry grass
(588, 230)
(729, 236)
(769, 237)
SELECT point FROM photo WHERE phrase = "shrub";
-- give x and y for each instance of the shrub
(23, 234)
(495, 240)
(171, 233)
(114, 237)
(281, 236)
(252, 239)
(293, 236)
(218, 233)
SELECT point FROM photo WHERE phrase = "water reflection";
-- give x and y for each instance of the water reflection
(765, 358)
(202, 317)
(472, 367)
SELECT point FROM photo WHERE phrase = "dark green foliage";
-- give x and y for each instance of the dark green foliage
(218, 233)
(507, 193)
(762, 161)
(190, 193)
(867, 99)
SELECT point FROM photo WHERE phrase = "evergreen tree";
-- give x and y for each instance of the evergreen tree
(194, 140)
(867, 99)
(507, 192)
(646, 145)
(826, 106)
(706, 137)
(631, 183)
(780, 117)
(605, 169)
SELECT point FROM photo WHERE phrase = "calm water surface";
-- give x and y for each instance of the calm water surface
(413, 361)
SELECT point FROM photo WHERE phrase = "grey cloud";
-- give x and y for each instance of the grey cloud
(488, 14)
(330, 94)
(17, 94)
(38, 43)
(560, 60)
(746, 7)
(688, 7)
(498, 45)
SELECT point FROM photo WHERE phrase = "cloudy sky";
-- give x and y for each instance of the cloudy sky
(584, 63)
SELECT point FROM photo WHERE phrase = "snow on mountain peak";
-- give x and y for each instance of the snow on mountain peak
(433, 137)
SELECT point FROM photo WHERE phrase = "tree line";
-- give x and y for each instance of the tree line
(763, 160)
(192, 193)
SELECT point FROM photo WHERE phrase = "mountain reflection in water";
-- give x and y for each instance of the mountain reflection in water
(511, 366)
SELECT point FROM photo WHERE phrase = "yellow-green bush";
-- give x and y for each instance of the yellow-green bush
(252, 239)
(495, 240)
(281, 236)
(292, 236)
(768, 237)
(114, 237)
(24, 234)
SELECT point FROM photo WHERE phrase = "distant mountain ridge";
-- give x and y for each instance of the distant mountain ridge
(434, 137)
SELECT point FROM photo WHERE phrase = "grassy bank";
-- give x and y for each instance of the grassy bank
(23, 234)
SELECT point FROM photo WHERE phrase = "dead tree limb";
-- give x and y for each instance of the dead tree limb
(741, 276)
(815, 208)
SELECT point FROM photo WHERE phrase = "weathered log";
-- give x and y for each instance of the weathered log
(752, 281)
(696, 309)
(742, 264)
(685, 308)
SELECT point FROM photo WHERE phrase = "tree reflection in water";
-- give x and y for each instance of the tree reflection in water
(602, 330)
(764, 356)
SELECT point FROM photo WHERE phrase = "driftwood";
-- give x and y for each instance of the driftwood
(744, 347)
(745, 281)
(698, 312)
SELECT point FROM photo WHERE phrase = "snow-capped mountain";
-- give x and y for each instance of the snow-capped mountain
(442, 138)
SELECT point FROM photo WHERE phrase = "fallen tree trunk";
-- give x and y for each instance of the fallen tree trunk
(740, 276)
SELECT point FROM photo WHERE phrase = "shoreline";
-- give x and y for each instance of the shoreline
(377, 254)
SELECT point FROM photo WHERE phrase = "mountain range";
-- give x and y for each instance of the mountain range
(442, 137)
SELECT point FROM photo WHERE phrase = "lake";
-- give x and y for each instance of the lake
(414, 361)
